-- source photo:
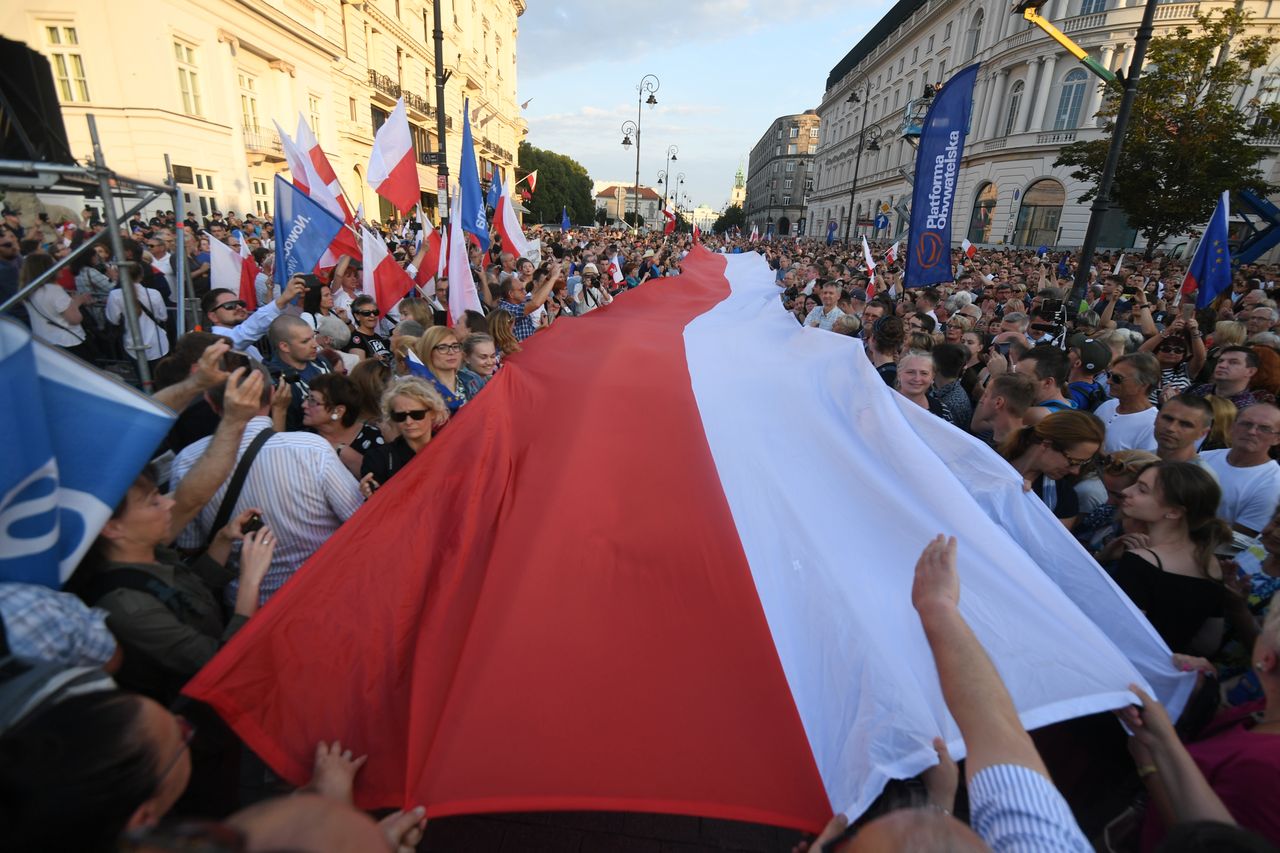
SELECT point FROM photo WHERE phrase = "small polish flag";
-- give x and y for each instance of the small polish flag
(968, 248)
(229, 271)
(892, 255)
(320, 166)
(248, 273)
(871, 268)
(508, 226)
(1119, 265)
(697, 233)
(755, 233)
(382, 278)
(670, 225)
(431, 262)
(532, 178)
(393, 171)
(615, 270)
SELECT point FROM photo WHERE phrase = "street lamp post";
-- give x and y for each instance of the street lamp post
(864, 133)
(671, 155)
(648, 83)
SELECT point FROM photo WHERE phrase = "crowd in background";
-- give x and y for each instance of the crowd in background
(1149, 428)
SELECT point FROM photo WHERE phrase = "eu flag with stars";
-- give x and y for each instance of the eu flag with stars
(1210, 270)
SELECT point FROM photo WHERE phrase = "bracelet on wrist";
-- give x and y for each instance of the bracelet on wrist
(1147, 770)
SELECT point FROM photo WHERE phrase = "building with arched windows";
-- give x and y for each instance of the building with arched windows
(1031, 99)
(780, 175)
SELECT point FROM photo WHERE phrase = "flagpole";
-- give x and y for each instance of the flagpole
(442, 160)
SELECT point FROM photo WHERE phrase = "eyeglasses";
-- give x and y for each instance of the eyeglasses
(447, 348)
(373, 313)
(188, 734)
(312, 400)
(232, 305)
(1116, 378)
(1247, 426)
(1072, 461)
(416, 414)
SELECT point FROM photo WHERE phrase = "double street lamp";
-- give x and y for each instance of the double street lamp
(869, 140)
(648, 84)
(671, 157)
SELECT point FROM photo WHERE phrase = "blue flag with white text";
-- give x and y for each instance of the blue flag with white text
(564, 219)
(304, 231)
(76, 439)
(1210, 270)
(495, 192)
(473, 219)
(937, 178)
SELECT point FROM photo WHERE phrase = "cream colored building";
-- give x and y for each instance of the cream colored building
(704, 216)
(203, 81)
(617, 199)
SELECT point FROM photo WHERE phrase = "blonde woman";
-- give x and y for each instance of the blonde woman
(414, 407)
(502, 328)
(440, 352)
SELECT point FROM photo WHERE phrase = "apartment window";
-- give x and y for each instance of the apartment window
(942, 66)
(910, 85)
(946, 34)
(791, 149)
(1015, 105)
(261, 201)
(902, 60)
(929, 47)
(204, 196)
(794, 132)
(896, 93)
(787, 184)
(378, 117)
(313, 114)
(786, 201)
(1070, 100)
(775, 168)
(188, 78)
(791, 165)
(808, 184)
(1092, 7)
(62, 45)
(915, 55)
(421, 140)
(777, 150)
(778, 134)
(813, 133)
(351, 106)
(248, 101)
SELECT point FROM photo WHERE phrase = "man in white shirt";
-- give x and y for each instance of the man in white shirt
(226, 315)
(1129, 417)
(825, 315)
(1249, 477)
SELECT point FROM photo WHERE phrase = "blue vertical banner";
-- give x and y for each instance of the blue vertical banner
(304, 231)
(937, 177)
(564, 219)
(831, 232)
(474, 221)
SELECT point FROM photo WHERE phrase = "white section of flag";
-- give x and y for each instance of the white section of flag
(462, 286)
(390, 145)
(224, 266)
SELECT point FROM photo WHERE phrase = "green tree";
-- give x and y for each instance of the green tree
(602, 216)
(1187, 140)
(732, 216)
(630, 218)
(562, 183)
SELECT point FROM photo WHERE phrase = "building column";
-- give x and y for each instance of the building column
(996, 101)
(1033, 81)
(1042, 92)
(1094, 101)
(978, 119)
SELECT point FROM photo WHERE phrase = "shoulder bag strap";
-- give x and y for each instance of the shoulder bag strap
(237, 483)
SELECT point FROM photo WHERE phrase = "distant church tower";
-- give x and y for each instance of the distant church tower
(738, 195)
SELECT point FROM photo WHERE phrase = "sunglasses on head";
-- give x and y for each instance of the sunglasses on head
(416, 414)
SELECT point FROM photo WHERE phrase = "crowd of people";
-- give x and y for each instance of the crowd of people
(1149, 428)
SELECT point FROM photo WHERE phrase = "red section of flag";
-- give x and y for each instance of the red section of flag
(491, 661)
(248, 283)
(431, 261)
(670, 225)
(532, 178)
(401, 188)
(968, 248)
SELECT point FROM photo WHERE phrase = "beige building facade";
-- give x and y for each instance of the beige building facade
(202, 83)
(780, 175)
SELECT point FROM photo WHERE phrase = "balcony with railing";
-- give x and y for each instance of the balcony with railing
(391, 91)
(263, 143)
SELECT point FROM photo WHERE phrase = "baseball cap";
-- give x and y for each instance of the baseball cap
(858, 294)
(1094, 355)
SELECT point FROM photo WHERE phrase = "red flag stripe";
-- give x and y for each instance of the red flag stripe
(481, 670)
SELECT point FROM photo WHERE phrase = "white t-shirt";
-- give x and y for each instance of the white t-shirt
(1136, 431)
(153, 337)
(1249, 495)
(47, 322)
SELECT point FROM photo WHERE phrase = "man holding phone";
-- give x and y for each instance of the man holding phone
(225, 313)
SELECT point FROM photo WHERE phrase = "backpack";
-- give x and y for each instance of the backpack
(1087, 395)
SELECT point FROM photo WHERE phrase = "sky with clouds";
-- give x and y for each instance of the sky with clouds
(727, 69)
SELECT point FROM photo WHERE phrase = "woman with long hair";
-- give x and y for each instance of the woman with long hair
(1224, 415)
(441, 353)
(1051, 453)
(318, 313)
(54, 313)
(502, 329)
(1115, 472)
(1170, 571)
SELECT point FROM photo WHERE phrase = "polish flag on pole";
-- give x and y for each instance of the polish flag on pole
(431, 261)
(670, 225)
(532, 178)
(462, 286)
(297, 160)
(248, 272)
(381, 277)
(393, 170)
(871, 268)
(513, 239)
(741, 721)
(229, 271)
(697, 233)
(755, 233)
(968, 248)
(892, 255)
(320, 164)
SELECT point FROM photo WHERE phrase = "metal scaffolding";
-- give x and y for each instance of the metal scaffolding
(76, 179)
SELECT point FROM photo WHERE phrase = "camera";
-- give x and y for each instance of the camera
(255, 522)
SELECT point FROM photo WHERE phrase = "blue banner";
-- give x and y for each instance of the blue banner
(937, 177)
(474, 220)
(831, 232)
(564, 219)
(304, 231)
(77, 439)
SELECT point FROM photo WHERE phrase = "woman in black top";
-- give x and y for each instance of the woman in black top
(1050, 455)
(1170, 572)
(365, 340)
(416, 409)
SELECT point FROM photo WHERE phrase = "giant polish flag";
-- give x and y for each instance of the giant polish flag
(697, 642)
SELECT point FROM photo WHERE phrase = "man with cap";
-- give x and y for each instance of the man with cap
(1087, 358)
(857, 302)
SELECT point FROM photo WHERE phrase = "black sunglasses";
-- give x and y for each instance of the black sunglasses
(416, 414)
(234, 303)
(367, 313)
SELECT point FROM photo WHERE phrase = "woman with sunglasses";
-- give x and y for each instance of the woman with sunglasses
(1181, 353)
(415, 409)
(1170, 571)
(1050, 454)
(441, 353)
(365, 340)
